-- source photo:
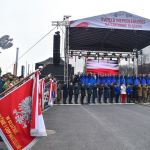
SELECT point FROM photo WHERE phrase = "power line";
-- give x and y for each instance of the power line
(36, 43)
(33, 46)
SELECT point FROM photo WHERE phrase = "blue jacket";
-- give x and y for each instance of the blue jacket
(117, 90)
(128, 90)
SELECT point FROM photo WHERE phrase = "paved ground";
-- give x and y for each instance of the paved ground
(97, 127)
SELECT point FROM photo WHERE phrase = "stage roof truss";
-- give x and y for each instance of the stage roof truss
(88, 34)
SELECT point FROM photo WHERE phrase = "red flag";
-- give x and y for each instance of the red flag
(15, 116)
(50, 101)
(37, 121)
(41, 91)
(54, 89)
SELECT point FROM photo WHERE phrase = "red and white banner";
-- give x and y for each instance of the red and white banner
(37, 121)
(41, 91)
(54, 90)
(102, 66)
(116, 20)
(50, 100)
(15, 116)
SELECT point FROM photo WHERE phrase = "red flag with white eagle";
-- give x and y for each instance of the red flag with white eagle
(37, 121)
(41, 91)
(15, 117)
(50, 100)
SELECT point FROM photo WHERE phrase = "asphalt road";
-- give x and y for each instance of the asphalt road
(97, 127)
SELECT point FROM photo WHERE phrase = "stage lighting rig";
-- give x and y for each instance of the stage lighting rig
(128, 55)
(71, 53)
(113, 54)
(105, 54)
(80, 55)
(120, 55)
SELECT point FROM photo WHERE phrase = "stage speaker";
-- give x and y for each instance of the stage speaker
(56, 48)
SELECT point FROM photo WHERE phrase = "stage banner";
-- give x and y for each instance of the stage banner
(15, 117)
(109, 67)
(37, 122)
(116, 20)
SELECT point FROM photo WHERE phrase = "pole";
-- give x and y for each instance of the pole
(28, 69)
(66, 50)
(65, 57)
(137, 62)
(16, 64)
(142, 63)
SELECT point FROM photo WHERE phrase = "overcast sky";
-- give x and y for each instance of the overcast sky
(26, 21)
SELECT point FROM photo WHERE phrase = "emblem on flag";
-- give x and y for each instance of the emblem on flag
(23, 116)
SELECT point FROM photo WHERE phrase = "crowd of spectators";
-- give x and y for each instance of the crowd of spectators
(8, 80)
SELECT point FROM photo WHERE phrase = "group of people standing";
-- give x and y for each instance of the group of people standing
(104, 93)
(92, 88)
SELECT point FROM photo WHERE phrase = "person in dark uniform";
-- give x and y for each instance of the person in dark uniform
(134, 94)
(59, 94)
(112, 93)
(89, 93)
(128, 91)
(106, 93)
(94, 93)
(117, 93)
(82, 93)
(100, 92)
(65, 93)
(70, 90)
(76, 93)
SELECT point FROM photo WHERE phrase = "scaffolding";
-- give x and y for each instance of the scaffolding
(65, 23)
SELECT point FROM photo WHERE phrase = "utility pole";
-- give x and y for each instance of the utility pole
(16, 63)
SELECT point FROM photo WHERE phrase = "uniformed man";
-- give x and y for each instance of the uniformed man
(76, 93)
(100, 92)
(82, 93)
(89, 93)
(70, 90)
(65, 93)
(94, 93)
